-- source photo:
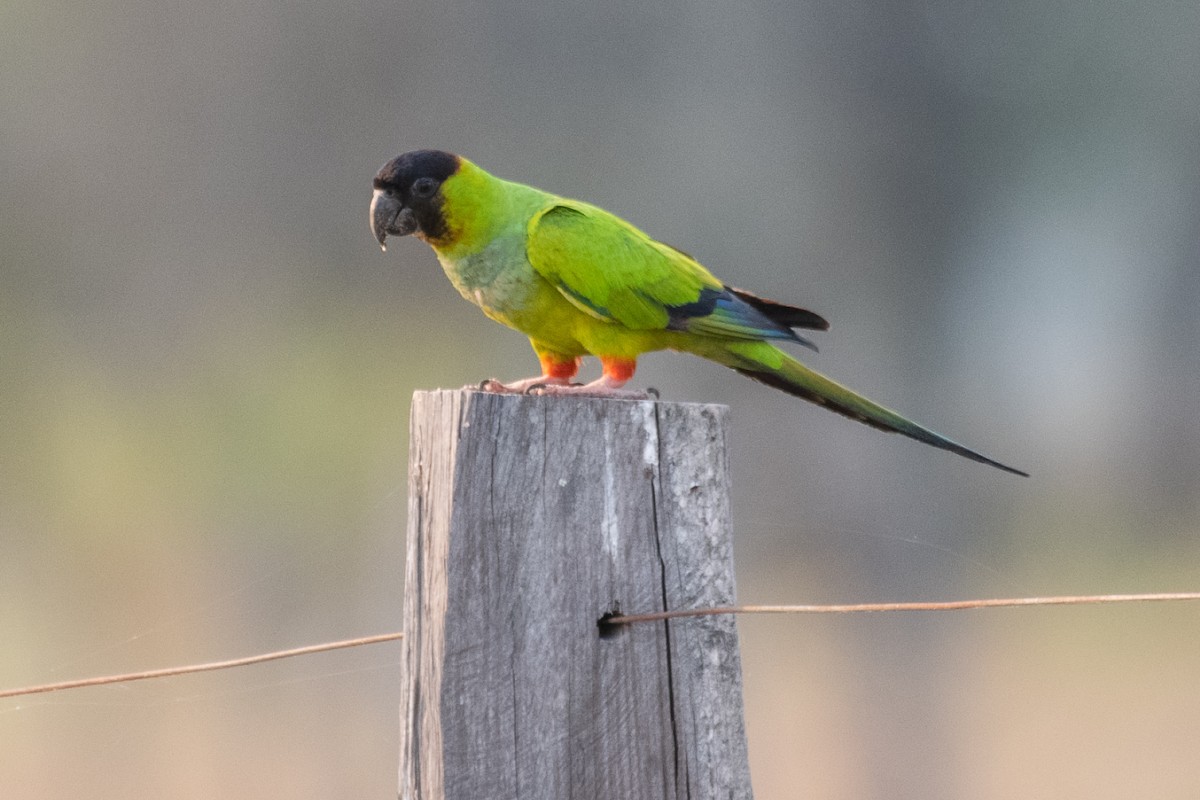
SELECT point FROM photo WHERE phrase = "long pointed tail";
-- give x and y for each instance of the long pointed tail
(772, 366)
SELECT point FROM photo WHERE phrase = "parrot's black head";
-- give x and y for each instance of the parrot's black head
(408, 197)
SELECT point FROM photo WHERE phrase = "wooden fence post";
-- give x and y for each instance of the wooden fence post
(529, 518)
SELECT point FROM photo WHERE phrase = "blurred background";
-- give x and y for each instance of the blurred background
(206, 366)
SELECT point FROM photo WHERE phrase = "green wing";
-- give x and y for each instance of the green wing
(613, 271)
(610, 269)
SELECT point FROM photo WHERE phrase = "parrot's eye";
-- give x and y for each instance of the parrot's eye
(424, 187)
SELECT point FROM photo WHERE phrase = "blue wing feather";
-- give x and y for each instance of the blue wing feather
(720, 312)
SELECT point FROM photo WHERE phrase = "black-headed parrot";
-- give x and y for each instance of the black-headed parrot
(580, 281)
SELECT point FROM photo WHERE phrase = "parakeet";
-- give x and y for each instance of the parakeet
(578, 280)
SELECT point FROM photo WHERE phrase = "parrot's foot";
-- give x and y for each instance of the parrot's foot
(603, 387)
(526, 386)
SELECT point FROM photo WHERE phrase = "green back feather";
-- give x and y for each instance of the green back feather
(610, 269)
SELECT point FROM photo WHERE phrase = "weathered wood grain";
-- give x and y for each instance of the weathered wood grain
(529, 519)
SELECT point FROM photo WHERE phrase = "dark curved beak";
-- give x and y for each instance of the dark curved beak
(389, 217)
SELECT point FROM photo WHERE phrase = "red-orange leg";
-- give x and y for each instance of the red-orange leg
(617, 371)
(558, 368)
